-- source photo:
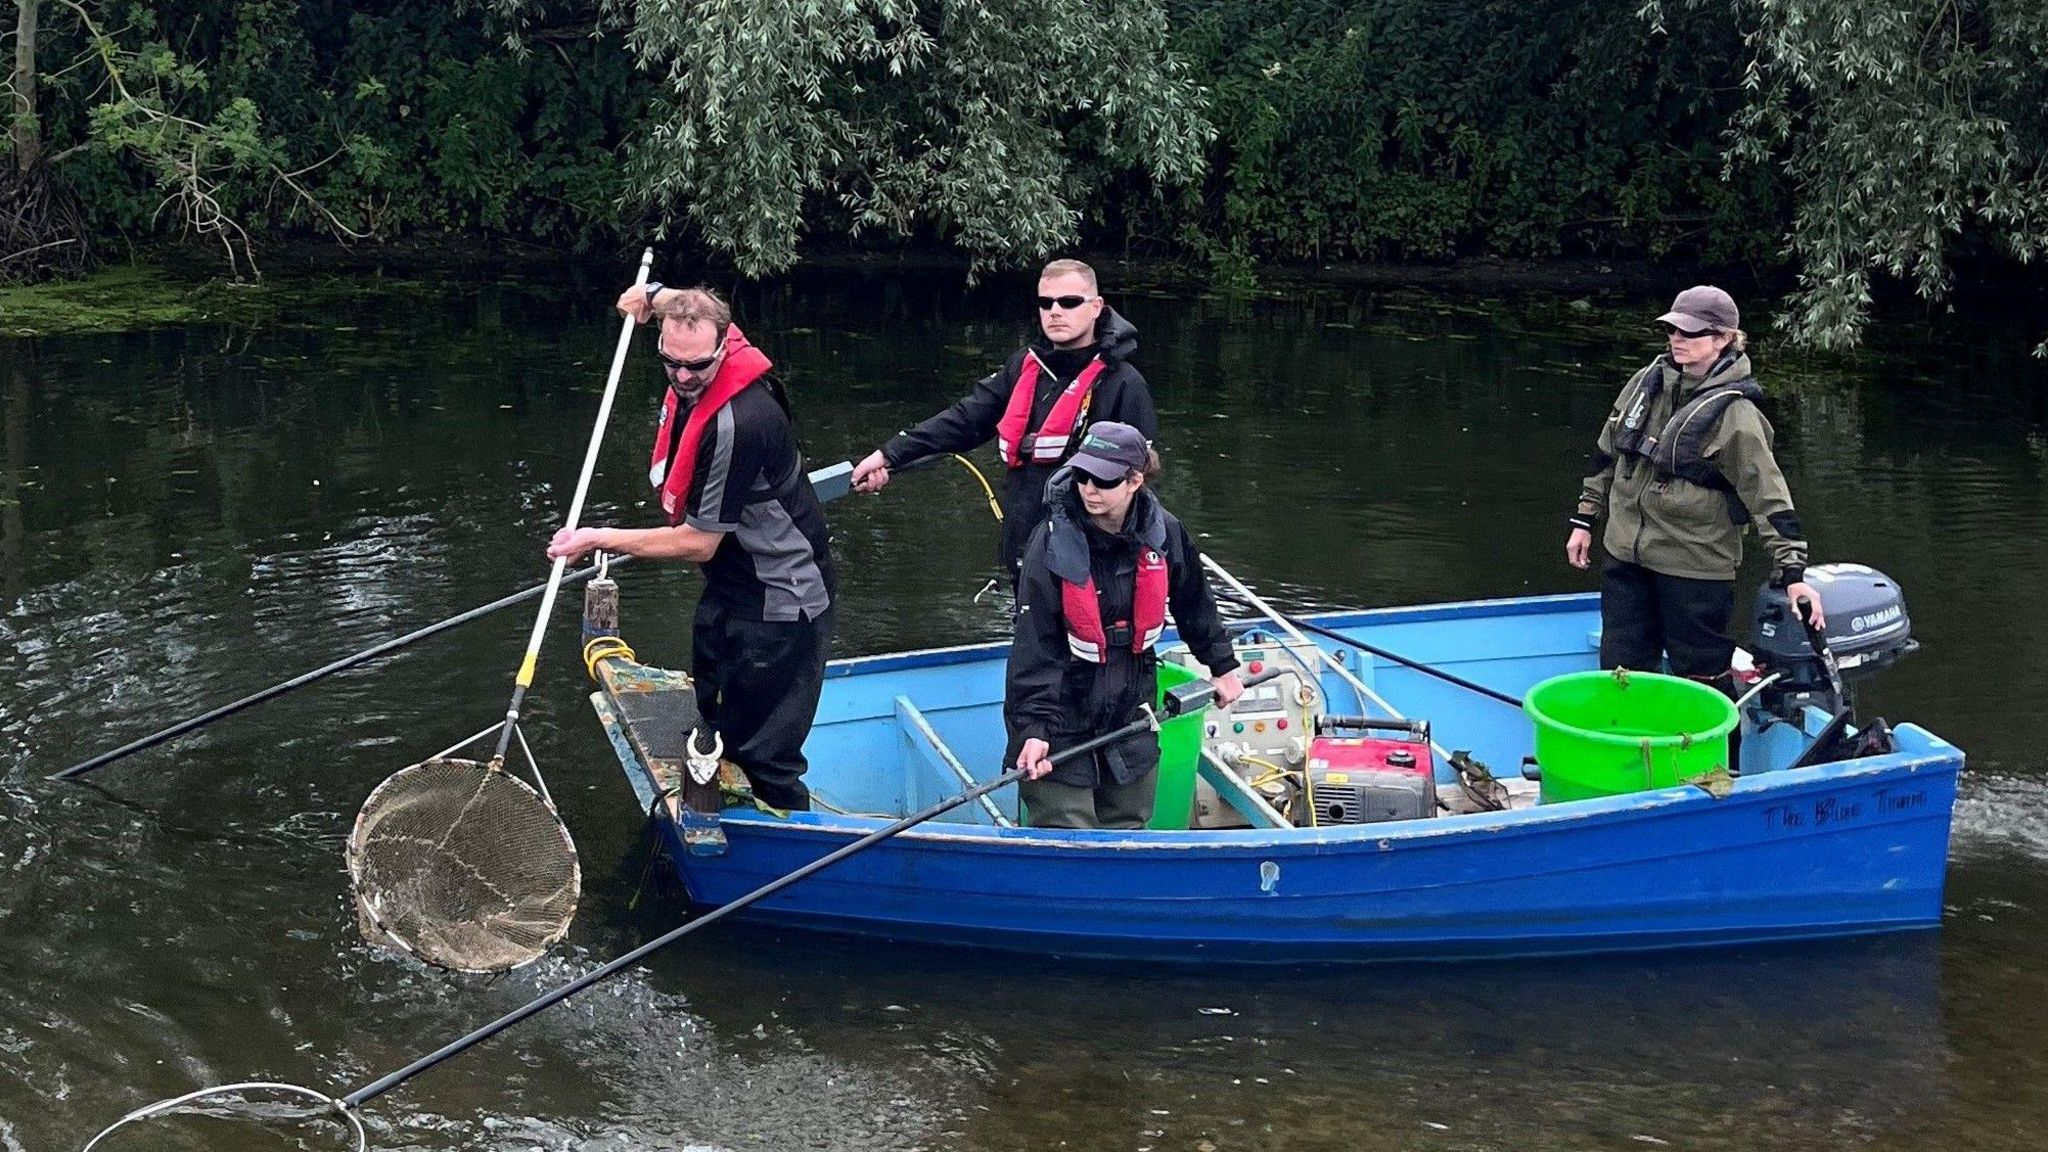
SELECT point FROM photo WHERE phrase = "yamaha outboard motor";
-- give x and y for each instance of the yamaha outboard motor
(1868, 629)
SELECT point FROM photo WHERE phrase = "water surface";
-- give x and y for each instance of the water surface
(191, 514)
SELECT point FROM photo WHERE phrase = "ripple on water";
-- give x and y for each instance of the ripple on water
(2001, 814)
(636, 1069)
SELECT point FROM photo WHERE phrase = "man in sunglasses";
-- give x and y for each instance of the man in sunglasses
(1682, 465)
(1098, 577)
(1078, 370)
(738, 504)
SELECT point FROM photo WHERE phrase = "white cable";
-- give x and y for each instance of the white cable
(162, 1106)
(1762, 684)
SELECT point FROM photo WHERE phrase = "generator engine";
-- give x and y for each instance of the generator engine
(1364, 771)
(1868, 628)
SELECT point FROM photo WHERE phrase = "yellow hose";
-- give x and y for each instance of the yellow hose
(994, 505)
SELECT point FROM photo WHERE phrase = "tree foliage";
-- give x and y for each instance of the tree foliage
(1368, 129)
(1858, 142)
(1908, 130)
(964, 119)
(255, 118)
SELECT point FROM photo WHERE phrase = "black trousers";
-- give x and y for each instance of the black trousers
(1645, 616)
(758, 684)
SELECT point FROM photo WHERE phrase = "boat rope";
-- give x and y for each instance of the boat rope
(604, 648)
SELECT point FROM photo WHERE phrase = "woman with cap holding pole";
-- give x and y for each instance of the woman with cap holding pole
(1682, 465)
(1092, 593)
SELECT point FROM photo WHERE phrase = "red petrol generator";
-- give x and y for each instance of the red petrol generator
(1367, 778)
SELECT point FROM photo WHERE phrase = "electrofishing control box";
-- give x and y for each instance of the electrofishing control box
(1384, 772)
(1269, 722)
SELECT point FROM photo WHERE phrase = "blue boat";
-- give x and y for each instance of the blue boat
(1782, 852)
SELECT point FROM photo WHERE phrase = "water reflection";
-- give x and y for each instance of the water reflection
(1743, 1049)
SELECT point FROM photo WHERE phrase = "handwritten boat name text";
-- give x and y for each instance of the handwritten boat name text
(1832, 811)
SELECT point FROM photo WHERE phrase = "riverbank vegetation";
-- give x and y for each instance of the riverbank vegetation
(1856, 146)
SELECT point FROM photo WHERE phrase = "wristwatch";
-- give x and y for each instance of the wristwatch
(653, 286)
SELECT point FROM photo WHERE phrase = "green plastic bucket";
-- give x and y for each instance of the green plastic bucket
(1610, 733)
(1180, 752)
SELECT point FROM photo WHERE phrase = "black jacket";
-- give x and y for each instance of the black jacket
(1121, 394)
(1054, 697)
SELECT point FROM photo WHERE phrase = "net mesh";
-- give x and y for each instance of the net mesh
(462, 866)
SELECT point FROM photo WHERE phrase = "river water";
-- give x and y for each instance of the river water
(188, 515)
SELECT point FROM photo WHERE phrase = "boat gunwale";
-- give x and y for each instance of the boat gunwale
(1387, 836)
(1937, 758)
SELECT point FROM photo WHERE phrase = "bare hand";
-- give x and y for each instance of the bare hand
(872, 473)
(572, 543)
(633, 302)
(1578, 548)
(1033, 759)
(1228, 689)
(1801, 590)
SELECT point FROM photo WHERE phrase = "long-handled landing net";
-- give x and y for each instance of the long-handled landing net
(463, 865)
(346, 1109)
(458, 862)
(251, 1100)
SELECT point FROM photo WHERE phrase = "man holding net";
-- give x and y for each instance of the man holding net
(739, 505)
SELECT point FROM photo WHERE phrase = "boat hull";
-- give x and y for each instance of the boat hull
(1841, 849)
(1836, 851)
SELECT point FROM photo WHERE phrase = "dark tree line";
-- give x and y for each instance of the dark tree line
(1858, 142)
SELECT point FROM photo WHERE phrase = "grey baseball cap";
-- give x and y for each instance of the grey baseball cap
(1703, 307)
(1110, 451)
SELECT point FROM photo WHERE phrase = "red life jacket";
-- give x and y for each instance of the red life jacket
(1088, 640)
(675, 456)
(1049, 445)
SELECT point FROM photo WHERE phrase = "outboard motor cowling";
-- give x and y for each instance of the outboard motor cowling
(1868, 628)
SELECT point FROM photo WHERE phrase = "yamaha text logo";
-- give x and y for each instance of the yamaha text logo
(1875, 619)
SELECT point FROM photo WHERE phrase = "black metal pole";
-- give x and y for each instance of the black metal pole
(1339, 637)
(378, 1087)
(830, 483)
(321, 673)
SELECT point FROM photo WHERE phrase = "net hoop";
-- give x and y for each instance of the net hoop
(161, 1107)
(543, 837)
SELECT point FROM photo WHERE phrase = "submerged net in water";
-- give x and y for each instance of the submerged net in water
(463, 866)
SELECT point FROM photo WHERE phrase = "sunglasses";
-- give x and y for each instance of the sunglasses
(1091, 480)
(1675, 330)
(691, 366)
(1065, 303)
